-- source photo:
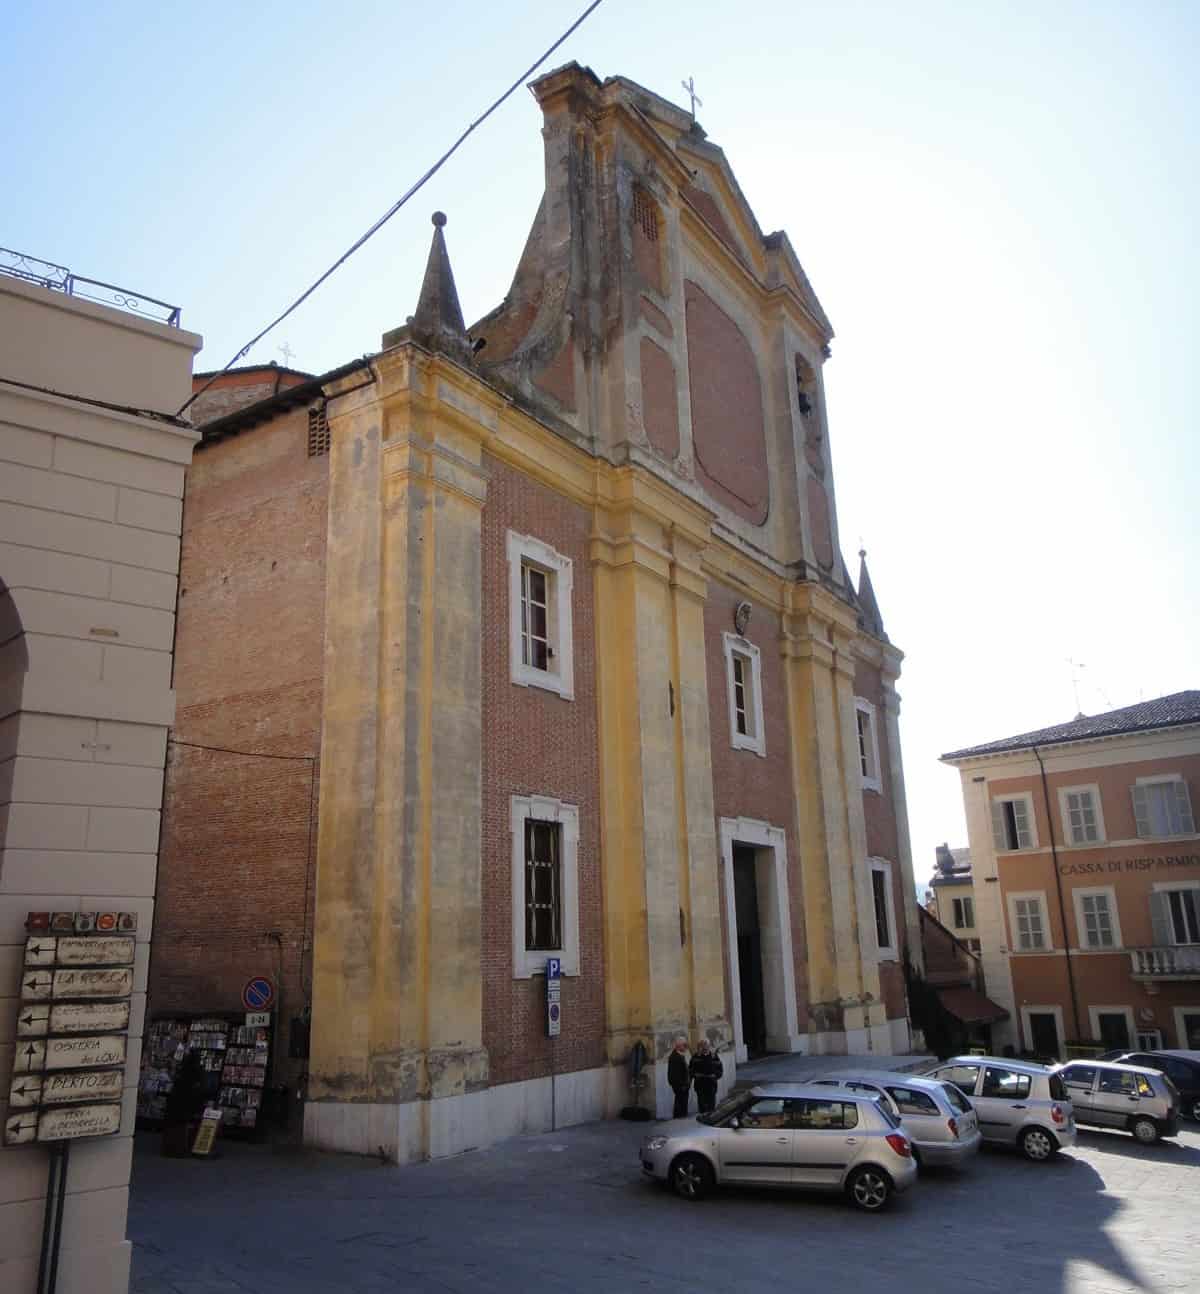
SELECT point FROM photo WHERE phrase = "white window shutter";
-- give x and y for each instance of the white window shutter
(1141, 811)
(1021, 818)
(1160, 918)
(1186, 823)
(998, 825)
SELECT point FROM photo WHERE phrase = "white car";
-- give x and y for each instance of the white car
(938, 1118)
(787, 1135)
(1017, 1102)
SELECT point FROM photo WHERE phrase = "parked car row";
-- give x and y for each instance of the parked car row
(866, 1132)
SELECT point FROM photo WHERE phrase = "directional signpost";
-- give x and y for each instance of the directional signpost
(72, 1027)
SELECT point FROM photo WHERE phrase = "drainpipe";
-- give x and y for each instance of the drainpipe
(1062, 910)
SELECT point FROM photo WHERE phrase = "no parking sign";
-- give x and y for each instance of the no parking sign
(259, 994)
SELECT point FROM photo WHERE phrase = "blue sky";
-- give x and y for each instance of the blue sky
(995, 203)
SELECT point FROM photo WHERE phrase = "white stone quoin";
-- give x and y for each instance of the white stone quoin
(90, 506)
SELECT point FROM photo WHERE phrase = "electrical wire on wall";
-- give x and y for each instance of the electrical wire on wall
(391, 211)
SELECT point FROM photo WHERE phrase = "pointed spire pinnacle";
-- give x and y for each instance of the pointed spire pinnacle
(871, 620)
(438, 322)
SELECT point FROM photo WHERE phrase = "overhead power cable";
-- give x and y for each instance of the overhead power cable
(391, 211)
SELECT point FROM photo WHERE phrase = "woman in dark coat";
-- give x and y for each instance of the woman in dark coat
(706, 1070)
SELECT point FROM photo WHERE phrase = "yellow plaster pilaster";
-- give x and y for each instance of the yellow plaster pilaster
(397, 993)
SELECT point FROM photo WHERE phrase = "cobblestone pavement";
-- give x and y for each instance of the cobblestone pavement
(569, 1211)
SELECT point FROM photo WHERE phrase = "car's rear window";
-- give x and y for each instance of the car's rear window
(911, 1101)
(1058, 1089)
(888, 1116)
(1005, 1084)
(955, 1097)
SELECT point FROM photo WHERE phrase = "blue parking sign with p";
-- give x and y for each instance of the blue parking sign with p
(553, 968)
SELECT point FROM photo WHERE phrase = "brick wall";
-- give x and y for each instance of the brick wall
(879, 810)
(238, 847)
(534, 742)
(238, 390)
(746, 784)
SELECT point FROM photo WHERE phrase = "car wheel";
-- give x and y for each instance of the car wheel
(869, 1188)
(691, 1177)
(1037, 1144)
(1145, 1130)
(1196, 1109)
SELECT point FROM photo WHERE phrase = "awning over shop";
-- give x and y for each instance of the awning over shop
(971, 1007)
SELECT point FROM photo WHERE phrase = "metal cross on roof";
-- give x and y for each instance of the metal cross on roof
(690, 86)
(287, 352)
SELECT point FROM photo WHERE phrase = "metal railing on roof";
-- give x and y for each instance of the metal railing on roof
(58, 278)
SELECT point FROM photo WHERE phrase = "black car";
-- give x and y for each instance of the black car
(1181, 1067)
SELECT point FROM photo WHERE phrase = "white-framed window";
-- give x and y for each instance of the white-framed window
(868, 745)
(1162, 807)
(964, 913)
(1083, 823)
(883, 906)
(1027, 922)
(1012, 823)
(545, 884)
(1096, 917)
(743, 675)
(1175, 913)
(539, 604)
(1112, 1025)
(1149, 1040)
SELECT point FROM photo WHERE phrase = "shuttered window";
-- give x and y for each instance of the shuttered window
(1163, 808)
(1011, 823)
(1081, 818)
(1030, 929)
(1097, 921)
(1175, 915)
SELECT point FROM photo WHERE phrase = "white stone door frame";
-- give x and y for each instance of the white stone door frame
(775, 924)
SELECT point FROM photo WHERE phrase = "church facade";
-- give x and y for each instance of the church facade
(550, 618)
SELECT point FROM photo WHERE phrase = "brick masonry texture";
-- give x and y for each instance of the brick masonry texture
(748, 785)
(728, 430)
(238, 847)
(238, 390)
(882, 836)
(527, 729)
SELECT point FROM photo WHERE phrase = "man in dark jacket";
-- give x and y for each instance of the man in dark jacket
(706, 1070)
(678, 1078)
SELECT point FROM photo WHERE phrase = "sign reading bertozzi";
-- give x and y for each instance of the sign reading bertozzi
(72, 1027)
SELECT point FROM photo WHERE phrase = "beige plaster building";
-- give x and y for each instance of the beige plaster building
(952, 894)
(91, 480)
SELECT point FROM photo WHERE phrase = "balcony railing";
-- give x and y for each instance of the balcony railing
(1166, 963)
(58, 278)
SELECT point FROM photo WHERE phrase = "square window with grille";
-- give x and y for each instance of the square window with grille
(543, 886)
(884, 911)
(318, 431)
(1012, 823)
(1163, 808)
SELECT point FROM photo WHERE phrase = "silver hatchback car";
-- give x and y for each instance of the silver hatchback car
(1020, 1103)
(1122, 1096)
(787, 1135)
(939, 1120)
